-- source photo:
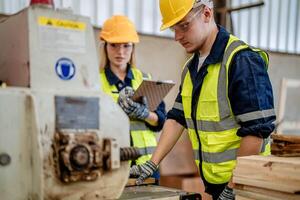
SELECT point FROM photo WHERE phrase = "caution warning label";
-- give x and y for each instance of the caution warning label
(61, 23)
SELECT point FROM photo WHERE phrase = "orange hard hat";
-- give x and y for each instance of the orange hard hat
(119, 29)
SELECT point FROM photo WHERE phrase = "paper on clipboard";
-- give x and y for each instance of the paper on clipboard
(154, 91)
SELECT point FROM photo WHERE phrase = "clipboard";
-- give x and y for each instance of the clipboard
(154, 91)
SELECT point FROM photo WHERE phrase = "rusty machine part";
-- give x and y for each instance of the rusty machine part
(129, 153)
(80, 156)
(4, 159)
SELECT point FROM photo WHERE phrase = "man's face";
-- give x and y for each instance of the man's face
(192, 31)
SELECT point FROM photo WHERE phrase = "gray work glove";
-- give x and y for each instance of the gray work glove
(134, 110)
(139, 110)
(124, 96)
(143, 171)
(227, 194)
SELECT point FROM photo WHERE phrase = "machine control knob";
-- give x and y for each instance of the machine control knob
(79, 157)
(4, 159)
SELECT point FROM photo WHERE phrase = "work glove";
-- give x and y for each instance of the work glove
(124, 96)
(227, 194)
(138, 110)
(143, 171)
(134, 110)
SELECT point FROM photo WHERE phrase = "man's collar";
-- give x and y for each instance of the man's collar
(218, 48)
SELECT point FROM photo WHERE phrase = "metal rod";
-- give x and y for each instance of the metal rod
(230, 19)
(287, 26)
(95, 12)
(129, 153)
(79, 6)
(139, 16)
(249, 26)
(296, 26)
(111, 7)
(155, 17)
(239, 21)
(259, 19)
(60, 4)
(278, 25)
(126, 8)
(246, 6)
(269, 24)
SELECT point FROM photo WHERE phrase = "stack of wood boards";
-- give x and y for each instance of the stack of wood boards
(267, 177)
(285, 145)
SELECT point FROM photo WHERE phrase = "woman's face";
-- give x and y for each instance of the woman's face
(119, 54)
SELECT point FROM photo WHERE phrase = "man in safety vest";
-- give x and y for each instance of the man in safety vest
(225, 99)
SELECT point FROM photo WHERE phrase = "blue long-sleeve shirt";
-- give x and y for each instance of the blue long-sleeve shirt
(249, 87)
(114, 80)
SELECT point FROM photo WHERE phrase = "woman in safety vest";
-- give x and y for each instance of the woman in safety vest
(120, 77)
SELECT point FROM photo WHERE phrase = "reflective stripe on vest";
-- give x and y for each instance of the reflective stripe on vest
(218, 157)
(178, 106)
(216, 124)
(146, 150)
(142, 137)
(211, 126)
(135, 126)
(255, 115)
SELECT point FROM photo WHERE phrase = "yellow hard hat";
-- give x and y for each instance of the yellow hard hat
(119, 29)
(172, 11)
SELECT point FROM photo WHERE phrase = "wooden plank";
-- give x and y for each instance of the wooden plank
(267, 192)
(271, 172)
(285, 145)
(285, 152)
(261, 173)
(255, 196)
(283, 186)
(281, 167)
(272, 159)
(287, 138)
(131, 181)
(239, 197)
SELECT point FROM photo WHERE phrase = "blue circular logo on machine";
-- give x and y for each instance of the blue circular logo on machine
(65, 68)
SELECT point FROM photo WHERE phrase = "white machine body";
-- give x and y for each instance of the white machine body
(60, 135)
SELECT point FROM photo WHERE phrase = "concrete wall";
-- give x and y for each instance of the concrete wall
(283, 66)
(163, 58)
(286, 66)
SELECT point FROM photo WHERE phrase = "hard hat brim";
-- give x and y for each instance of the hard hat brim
(177, 19)
(119, 40)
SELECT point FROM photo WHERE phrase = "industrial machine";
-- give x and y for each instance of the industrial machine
(60, 136)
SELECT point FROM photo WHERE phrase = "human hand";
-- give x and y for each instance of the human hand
(124, 97)
(143, 171)
(138, 110)
(227, 194)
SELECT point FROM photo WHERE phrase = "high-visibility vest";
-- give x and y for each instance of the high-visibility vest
(215, 122)
(142, 137)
